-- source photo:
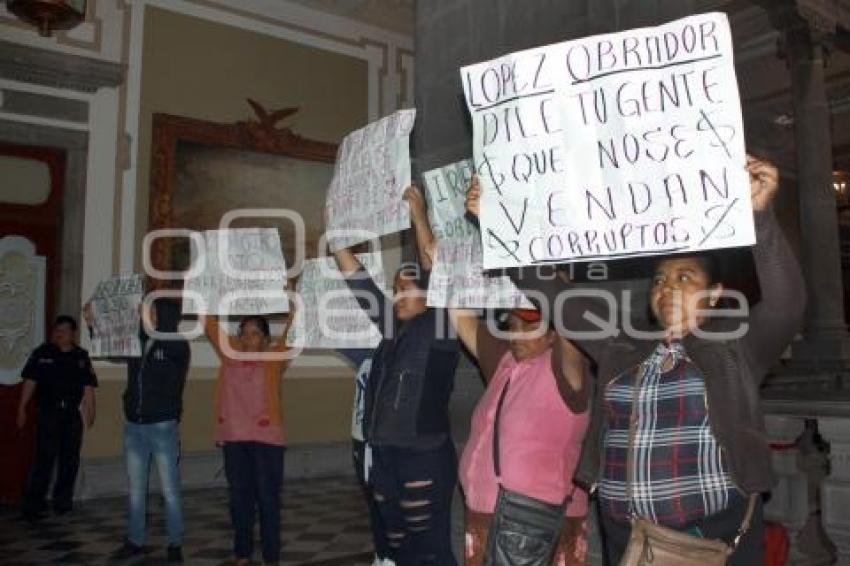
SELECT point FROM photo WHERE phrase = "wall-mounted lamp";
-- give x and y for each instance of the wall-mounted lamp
(841, 184)
(49, 15)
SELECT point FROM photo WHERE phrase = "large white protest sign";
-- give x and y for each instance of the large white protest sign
(457, 275)
(242, 272)
(648, 156)
(372, 170)
(330, 316)
(115, 317)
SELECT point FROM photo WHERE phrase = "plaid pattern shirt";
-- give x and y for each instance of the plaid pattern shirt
(679, 469)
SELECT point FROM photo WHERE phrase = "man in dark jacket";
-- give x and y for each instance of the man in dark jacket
(60, 375)
(153, 403)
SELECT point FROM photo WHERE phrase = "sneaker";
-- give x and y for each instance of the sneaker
(175, 555)
(127, 550)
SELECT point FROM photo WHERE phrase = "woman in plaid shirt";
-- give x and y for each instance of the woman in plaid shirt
(700, 448)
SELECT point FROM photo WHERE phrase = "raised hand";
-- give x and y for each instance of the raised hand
(425, 243)
(414, 197)
(473, 197)
(764, 182)
(87, 314)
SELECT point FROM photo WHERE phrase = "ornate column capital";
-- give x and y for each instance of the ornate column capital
(807, 25)
(824, 16)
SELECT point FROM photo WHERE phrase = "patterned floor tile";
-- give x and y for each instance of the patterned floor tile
(324, 523)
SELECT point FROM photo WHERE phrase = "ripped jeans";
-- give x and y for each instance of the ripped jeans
(413, 489)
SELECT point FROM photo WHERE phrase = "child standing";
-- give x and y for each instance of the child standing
(250, 430)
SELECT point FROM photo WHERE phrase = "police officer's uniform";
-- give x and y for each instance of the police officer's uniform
(60, 378)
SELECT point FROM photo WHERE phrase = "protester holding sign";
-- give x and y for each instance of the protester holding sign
(153, 405)
(613, 145)
(249, 428)
(525, 441)
(406, 421)
(677, 436)
(537, 398)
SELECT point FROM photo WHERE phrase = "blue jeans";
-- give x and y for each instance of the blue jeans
(160, 441)
(254, 473)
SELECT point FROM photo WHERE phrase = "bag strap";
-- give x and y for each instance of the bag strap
(496, 446)
(746, 522)
(496, 423)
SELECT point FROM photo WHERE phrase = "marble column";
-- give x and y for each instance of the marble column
(789, 500)
(826, 343)
(835, 490)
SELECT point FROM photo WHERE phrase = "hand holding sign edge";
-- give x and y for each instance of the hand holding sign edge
(473, 197)
(764, 182)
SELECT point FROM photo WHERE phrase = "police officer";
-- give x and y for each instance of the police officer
(61, 376)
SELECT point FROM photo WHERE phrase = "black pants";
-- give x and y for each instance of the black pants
(58, 438)
(414, 490)
(379, 537)
(254, 473)
(722, 526)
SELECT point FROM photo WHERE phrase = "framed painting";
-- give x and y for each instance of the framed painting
(202, 170)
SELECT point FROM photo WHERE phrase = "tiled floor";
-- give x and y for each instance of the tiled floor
(324, 523)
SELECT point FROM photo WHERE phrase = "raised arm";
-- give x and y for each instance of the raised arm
(215, 333)
(778, 316)
(425, 242)
(371, 299)
(465, 323)
(580, 311)
(573, 364)
(347, 261)
(279, 345)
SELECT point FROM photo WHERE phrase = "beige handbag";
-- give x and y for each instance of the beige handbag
(651, 544)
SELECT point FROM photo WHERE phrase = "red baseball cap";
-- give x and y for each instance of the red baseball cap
(527, 315)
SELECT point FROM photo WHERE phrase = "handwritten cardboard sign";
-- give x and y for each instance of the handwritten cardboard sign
(457, 277)
(614, 145)
(243, 273)
(372, 170)
(115, 318)
(329, 315)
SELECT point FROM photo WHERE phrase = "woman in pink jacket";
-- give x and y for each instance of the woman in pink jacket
(527, 430)
(526, 437)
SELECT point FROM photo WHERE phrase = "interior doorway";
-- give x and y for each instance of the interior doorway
(31, 209)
